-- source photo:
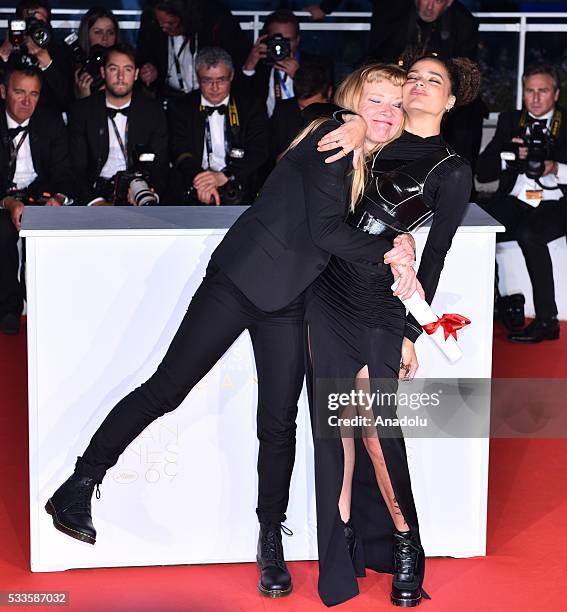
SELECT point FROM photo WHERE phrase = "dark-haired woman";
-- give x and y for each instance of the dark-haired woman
(357, 331)
(171, 34)
(99, 28)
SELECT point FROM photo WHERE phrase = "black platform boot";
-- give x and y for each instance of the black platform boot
(275, 579)
(70, 507)
(409, 567)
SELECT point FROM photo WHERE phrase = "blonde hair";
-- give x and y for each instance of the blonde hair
(348, 96)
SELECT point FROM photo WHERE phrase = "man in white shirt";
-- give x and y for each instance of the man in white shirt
(218, 140)
(34, 169)
(274, 81)
(530, 200)
(109, 127)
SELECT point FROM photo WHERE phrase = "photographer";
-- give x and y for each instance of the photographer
(272, 63)
(107, 129)
(171, 34)
(34, 169)
(528, 155)
(99, 30)
(218, 140)
(51, 57)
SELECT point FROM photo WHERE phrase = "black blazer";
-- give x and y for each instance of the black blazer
(218, 28)
(489, 166)
(279, 245)
(285, 125)
(187, 137)
(48, 143)
(89, 139)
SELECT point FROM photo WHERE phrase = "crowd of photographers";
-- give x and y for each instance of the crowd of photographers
(198, 115)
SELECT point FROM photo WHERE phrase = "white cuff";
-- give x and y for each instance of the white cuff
(95, 200)
(248, 72)
(561, 173)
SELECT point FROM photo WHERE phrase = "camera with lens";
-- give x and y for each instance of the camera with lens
(539, 144)
(35, 29)
(277, 49)
(136, 181)
(24, 196)
(91, 64)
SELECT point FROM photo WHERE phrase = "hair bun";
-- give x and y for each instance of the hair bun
(468, 79)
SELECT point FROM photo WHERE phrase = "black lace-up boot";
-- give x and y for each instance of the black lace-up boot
(275, 579)
(409, 568)
(70, 507)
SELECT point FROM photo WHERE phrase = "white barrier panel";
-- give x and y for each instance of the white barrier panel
(103, 306)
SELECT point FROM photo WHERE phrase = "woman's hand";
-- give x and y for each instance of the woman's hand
(409, 363)
(407, 281)
(350, 137)
(403, 251)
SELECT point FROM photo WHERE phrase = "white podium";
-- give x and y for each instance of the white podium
(107, 288)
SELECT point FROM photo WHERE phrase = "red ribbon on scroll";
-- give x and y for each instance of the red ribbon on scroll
(450, 324)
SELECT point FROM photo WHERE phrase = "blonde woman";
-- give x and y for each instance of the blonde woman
(358, 337)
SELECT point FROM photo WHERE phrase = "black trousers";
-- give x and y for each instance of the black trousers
(216, 316)
(11, 292)
(533, 228)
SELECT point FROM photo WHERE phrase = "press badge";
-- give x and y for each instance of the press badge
(533, 197)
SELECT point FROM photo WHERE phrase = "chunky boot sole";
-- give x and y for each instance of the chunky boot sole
(73, 533)
(405, 602)
(275, 592)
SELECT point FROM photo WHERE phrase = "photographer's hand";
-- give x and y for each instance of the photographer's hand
(289, 65)
(15, 208)
(522, 151)
(210, 179)
(148, 74)
(316, 13)
(83, 83)
(41, 55)
(208, 195)
(257, 53)
(551, 167)
(6, 48)
(52, 202)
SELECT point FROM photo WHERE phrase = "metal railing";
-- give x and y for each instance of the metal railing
(519, 23)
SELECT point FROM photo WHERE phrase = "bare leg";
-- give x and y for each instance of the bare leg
(374, 449)
(346, 491)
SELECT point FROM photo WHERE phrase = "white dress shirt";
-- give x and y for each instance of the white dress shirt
(286, 87)
(115, 161)
(25, 173)
(524, 184)
(186, 64)
(217, 123)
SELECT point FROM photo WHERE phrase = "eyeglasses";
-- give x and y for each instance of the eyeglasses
(208, 82)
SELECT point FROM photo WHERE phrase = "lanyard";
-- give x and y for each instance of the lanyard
(177, 56)
(280, 86)
(119, 138)
(14, 150)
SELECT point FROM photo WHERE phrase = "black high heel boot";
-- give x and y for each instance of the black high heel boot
(409, 568)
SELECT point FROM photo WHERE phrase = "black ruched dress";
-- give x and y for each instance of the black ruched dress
(352, 320)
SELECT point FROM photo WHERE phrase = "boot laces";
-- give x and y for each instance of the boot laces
(405, 555)
(272, 547)
(84, 494)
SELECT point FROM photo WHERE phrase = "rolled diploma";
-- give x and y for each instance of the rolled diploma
(421, 310)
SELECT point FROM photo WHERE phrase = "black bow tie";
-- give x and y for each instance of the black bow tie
(221, 110)
(536, 120)
(13, 132)
(112, 112)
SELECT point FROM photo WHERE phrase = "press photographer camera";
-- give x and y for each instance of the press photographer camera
(277, 49)
(90, 64)
(18, 29)
(131, 186)
(537, 145)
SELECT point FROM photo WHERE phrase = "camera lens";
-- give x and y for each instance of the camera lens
(141, 193)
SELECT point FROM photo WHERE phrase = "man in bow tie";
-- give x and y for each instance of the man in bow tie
(533, 209)
(218, 141)
(109, 127)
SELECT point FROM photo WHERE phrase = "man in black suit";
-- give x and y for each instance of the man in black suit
(34, 169)
(108, 130)
(55, 60)
(218, 140)
(255, 280)
(171, 34)
(443, 27)
(312, 85)
(271, 81)
(534, 210)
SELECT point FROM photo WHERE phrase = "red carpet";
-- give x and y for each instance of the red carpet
(526, 566)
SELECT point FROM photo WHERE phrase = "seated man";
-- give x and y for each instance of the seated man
(218, 140)
(34, 169)
(528, 155)
(312, 85)
(111, 129)
(54, 59)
